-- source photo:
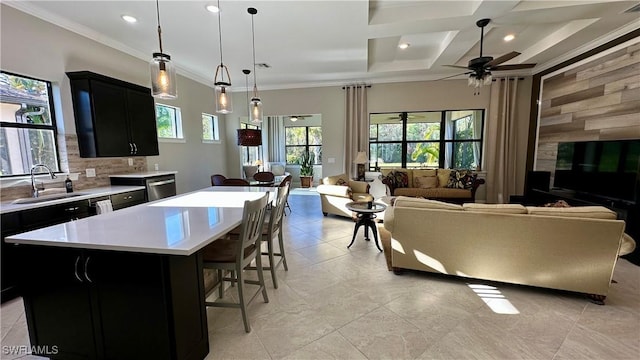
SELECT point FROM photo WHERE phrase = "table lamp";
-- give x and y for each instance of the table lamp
(361, 159)
(258, 163)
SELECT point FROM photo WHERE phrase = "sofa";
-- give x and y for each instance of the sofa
(451, 185)
(336, 191)
(572, 249)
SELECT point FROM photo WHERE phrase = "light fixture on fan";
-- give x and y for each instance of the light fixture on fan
(222, 86)
(477, 80)
(163, 73)
(255, 105)
(293, 118)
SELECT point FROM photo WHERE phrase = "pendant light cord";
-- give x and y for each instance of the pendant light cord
(220, 37)
(253, 42)
(159, 29)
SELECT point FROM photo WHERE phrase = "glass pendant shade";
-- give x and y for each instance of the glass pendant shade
(223, 91)
(256, 110)
(163, 77)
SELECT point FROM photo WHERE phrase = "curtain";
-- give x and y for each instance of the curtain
(501, 141)
(477, 134)
(275, 139)
(356, 126)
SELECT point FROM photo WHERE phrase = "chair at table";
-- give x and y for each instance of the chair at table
(217, 180)
(264, 176)
(249, 171)
(235, 182)
(235, 255)
(286, 181)
(273, 228)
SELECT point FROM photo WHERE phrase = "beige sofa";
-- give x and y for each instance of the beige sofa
(336, 191)
(436, 184)
(573, 249)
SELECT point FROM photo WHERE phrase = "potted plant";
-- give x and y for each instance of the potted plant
(306, 169)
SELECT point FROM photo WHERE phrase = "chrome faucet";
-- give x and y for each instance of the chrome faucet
(33, 180)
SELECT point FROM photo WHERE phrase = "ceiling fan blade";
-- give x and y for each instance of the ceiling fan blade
(457, 66)
(501, 59)
(513, 67)
(452, 76)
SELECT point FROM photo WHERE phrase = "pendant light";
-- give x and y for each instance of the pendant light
(255, 113)
(222, 86)
(163, 73)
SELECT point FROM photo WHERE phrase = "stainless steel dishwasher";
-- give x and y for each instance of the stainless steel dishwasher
(161, 187)
(156, 186)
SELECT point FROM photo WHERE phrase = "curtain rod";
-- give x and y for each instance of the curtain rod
(367, 86)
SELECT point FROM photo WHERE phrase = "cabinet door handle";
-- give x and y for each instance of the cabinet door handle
(86, 269)
(75, 269)
(135, 148)
(72, 209)
(131, 148)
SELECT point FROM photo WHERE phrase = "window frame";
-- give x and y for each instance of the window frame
(215, 130)
(306, 142)
(177, 122)
(443, 141)
(53, 126)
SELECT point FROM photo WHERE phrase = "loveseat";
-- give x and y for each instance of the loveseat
(572, 249)
(451, 185)
(336, 191)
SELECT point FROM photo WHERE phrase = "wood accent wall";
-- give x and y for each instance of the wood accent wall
(598, 100)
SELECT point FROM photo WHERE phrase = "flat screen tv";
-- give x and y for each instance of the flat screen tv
(608, 169)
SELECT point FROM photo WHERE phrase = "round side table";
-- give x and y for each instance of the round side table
(366, 213)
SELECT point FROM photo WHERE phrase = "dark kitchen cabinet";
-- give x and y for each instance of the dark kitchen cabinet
(113, 117)
(10, 226)
(130, 198)
(98, 304)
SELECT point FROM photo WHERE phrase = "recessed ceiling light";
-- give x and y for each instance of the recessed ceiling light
(404, 45)
(509, 37)
(212, 8)
(128, 18)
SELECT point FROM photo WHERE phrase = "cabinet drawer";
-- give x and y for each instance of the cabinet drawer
(120, 201)
(54, 214)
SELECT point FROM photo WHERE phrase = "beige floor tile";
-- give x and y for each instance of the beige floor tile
(234, 345)
(340, 304)
(381, 334)
(333, 346)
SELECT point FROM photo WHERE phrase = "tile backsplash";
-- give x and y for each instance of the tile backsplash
(71, 162)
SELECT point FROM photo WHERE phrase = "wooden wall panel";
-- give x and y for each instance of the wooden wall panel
(597, 100)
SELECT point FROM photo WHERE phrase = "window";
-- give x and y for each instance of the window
(445, 139)
(210, 128)
(299, 139)
(249, 154)
(169, 122)
(28, 133)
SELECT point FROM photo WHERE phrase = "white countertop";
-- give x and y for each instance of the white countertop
(179, 225)
(144, 174)
(8, 206)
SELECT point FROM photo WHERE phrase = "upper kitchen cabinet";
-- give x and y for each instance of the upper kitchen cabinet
(113, 117)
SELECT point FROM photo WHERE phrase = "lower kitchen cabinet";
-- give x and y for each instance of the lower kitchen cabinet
(130, 198)
(95, 304)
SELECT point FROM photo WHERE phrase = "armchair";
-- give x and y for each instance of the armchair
(336, 191)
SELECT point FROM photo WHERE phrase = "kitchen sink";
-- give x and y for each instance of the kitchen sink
(44, 198)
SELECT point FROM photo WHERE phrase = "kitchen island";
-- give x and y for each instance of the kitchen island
(127, 284)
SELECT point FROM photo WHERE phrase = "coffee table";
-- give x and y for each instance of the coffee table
(366, 212)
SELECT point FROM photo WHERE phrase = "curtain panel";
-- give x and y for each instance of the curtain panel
(502, 141)
(356, 126)
(275, 139)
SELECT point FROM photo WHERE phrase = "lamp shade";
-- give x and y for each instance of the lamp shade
(249, 137)
(163, 77)
(361, 158)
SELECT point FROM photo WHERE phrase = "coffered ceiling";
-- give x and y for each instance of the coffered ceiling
(319, 43)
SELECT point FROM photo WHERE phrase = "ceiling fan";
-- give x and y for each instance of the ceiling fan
(480, 68)
(295, 118)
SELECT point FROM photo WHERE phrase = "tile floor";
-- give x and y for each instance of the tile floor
(336, 303)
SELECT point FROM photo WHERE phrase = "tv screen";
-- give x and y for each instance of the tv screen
(600, 168)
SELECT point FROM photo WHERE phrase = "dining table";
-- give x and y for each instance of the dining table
(127, 284)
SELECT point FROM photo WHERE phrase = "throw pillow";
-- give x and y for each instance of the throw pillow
(425, 182)
(390, 180)
(443, 177)
(402, 179)
(461, 179)
(341, 182)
